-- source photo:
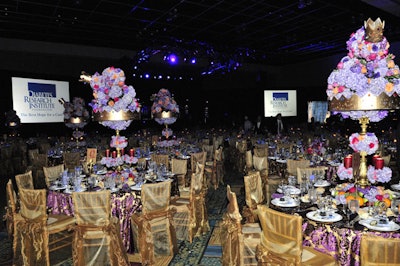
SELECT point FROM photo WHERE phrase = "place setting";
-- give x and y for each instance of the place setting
(326, 213)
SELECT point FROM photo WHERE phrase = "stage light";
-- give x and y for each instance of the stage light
(172, 59)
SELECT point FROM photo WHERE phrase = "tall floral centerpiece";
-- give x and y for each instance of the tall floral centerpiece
(76, 116)
(364, 87)
(115, 106)
(165, 110)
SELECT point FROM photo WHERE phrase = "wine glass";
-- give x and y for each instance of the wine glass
(352, 208)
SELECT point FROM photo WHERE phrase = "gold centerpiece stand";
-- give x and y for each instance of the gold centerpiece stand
(369, 102)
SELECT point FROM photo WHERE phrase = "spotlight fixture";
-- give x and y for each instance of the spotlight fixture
(172, 59)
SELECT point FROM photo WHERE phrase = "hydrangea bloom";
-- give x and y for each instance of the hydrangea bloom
(367, 68)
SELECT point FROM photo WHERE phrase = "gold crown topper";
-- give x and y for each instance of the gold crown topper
(374, 30)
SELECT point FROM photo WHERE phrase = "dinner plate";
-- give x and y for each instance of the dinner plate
(333, 164)
(331, 218)
(286, 203)
(396, 186)
(280, 161)
(113, 190)
(101, 172)
(57, 187)
(185, 157)
(390, 226)
(292, 190)
(136, 187)
(322, 184)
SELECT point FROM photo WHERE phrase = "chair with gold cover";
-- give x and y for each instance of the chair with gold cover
(308, 171)
(24, 180)
(254, 196)
(215, 169)
(241, 148)
(209, 149)
(191, 219)
(261, 150)
(161, 159)
(11, 208)
(179, 168)
(195, 158)
(282, 241)
(239, 241)
(71, 160)
(97, 238)
(249, 161)
(36, 233)
(52, 173)
(153, 233)
(377, 250)
(39, 161)
(292, 165)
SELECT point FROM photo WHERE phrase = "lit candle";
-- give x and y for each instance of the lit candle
(122, 151)
(114, 154)
(131, 152)
(379, 163)
(374, 158)
(348, 161)
(107, 153)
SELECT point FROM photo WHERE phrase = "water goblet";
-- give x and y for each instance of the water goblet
(395, 206)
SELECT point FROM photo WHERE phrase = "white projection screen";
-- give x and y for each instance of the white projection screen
(36, 100)
(280, 101)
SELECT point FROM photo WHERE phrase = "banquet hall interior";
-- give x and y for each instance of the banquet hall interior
(187, 132)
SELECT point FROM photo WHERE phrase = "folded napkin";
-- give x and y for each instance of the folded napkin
(276, 196)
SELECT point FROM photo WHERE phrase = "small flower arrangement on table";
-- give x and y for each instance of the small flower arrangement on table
(370, 195)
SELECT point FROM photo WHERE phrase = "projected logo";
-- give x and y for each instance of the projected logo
(280, 100)
(41, 96)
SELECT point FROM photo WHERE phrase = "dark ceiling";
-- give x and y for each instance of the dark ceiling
(273, 32)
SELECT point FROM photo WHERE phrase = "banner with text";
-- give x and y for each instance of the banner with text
(282, 102)
(36, 100)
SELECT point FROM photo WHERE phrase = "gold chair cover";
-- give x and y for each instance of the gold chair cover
(308, 172)
(253, 195)
(281, 241)
(179, 168)
(153, 234)
(379, 251)
(71, 159)
(195, 159)
(215, 169)
(32, 154)
(31, 239)
(261, 150)
(191, 218)
(161, 159)
(249, 161)
(292, 165)
(11, 208)
(24, 180)
(209, 149)
(97, 239)
(241, 148)
(261, 164)
(52, 173)
(39, 161)
(238, 245)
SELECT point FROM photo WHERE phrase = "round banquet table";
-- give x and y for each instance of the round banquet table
(123, 205)
(333, 238)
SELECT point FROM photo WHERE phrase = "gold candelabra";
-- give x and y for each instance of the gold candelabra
(362, 179)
